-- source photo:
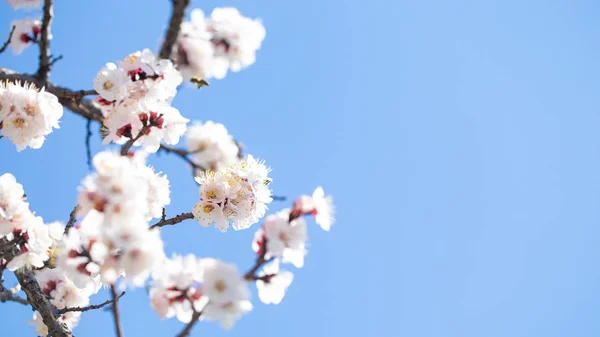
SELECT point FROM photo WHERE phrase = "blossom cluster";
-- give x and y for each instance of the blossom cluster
(211, 146)
(27, 114)
(62, 293)
(237, 195)
(284, 234)
(210, 46)
(283, 237)
(183, 285)
(135, 98)
(33, 239)
(113, 238)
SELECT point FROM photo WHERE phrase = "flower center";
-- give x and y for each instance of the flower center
(220, 286)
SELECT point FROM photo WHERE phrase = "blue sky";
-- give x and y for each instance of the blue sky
(459, 139)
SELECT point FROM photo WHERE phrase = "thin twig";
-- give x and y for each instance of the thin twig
(44, 67)
(172, 221)
(72, 218)
(41, 303)
(5, 45)
(188, 327)
(260, 261)
(131, 141)
(278, 198)
(88, 148)
(55, 59)
(91, 307)
(183, 154)
(7, 296)
(115, 310)
(177, 15)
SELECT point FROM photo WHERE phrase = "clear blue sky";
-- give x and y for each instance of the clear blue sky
(460, 139)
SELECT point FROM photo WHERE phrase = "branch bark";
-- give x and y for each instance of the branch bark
(173, 221)
(179, 7)
(39, 302)
(44, 68)
(115, 311)
(92, 307)
(188, 328)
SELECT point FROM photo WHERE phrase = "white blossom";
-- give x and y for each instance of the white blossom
(13, 207)
(211, 146)
(26, 31)
(285, 238)
(35, 242)
(137, 94)
(62, 293)
(28, 114)
(176, 287)
(18, 4)
(227, 293)
(237, 195)
(113, 239)
(319, 205)
(273, 283)
(210, 46)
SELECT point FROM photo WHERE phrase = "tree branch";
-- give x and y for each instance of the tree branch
(115, 311)
(72, 218)
(7, 296)
(188, 328)
(131, 141)
(183, 154)
(5, 45)
(177, 14)
(260, 261)
(91, 307)
(173, 221)
(44, 68)
(41, 303)
(88, 148)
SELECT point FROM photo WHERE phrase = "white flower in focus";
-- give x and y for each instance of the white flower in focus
(273, 288)
(236, 196)
(135, 99)
(227, 293)
(211, 146)
(18, 4)
(26, 30)
(28, 114)
(111, 82)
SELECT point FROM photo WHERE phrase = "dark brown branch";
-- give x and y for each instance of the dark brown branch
(172, 221)
(179, 7)
(7, 296)
(183, 154)
(41, 303)
(72, 218)
(88, 148)
(188, 327)
(5, 45)
(44, 68)
(55, 59)
(91, 307)
(115, 310)
(260, 261)
(131, 141)
(67, 97)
